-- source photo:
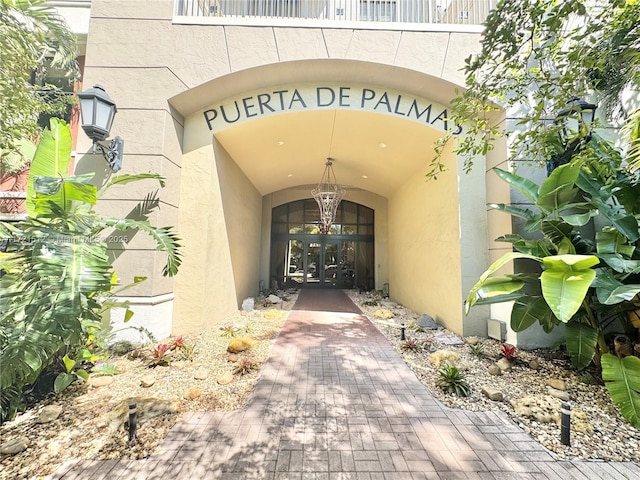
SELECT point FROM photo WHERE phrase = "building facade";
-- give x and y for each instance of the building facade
(239, 104)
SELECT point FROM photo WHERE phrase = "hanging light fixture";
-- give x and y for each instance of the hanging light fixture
(328, 194)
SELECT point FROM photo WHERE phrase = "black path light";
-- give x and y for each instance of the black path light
(97, 110)
(575, 121)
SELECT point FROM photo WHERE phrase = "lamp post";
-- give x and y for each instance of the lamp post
(97, 111)
(575, 120)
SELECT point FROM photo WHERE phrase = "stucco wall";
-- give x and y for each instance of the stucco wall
(242, 205)
(424, 248)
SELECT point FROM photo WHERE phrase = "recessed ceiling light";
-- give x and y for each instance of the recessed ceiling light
(365, 176)
(382, 145)
(280, 143)
(290, 175)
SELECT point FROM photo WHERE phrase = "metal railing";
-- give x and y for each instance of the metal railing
(453, 12)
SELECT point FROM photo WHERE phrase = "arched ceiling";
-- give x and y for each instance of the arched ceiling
(289, 149)
(371, 151)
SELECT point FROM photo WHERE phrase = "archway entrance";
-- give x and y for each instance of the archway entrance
(302, 257)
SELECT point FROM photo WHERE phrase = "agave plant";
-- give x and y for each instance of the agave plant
(452, 380)
(57, 277)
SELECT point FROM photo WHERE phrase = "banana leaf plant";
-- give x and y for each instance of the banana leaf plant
(588, 284)
(56, 276)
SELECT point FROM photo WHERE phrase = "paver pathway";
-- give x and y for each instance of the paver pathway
(335, 401)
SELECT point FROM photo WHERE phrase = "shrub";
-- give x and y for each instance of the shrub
(452, 380)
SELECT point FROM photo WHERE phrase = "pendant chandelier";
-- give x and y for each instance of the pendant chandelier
(328, 194)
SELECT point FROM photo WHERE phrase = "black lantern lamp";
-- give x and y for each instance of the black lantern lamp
(575, 121)
(97, 110)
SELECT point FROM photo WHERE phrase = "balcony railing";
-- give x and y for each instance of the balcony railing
(451, 12)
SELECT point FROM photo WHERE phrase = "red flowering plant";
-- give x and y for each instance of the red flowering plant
(160, 355)
(509, 352)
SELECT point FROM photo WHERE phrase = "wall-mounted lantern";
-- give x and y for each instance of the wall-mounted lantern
(97, 111)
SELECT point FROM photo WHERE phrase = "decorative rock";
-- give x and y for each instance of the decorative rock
(15, 445)
(580, 422)
(494, 369)
(534, 364)
(232, 358)
(504, 364)
(274, 299)
(564, 396)
(557, 383)
(49, 414)
(426, 322)
(248, 304)
(201, 374)
(148, 407)
(541, 408)
(241, 344)
(225, 378)
(102, 381)
(444, 356)
(492, 394)
(448, 338)
(383, 313)
(147, 380)
(193, 393)
(179, 364)
(473, 340)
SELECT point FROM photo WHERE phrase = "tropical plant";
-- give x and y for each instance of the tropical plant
(58, 280)
(452, 380)
(32, 36)
(622, 378)
(590, 285)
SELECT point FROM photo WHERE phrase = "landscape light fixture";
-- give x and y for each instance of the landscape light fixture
(328, 195)
(97, 111)
(575, 120)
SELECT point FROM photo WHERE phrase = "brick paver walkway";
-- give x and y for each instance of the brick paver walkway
(335, 401)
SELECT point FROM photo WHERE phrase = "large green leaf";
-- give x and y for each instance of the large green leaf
(626, 224)
(622, 378)
(166, 240)
(515, 211)
(558, 190)
(579, 219)
(609, 240)
(556, 231)
(619, 264)
(610, 290)
(527, 311)
(565, 282)
(581, 343)
(128, 178)
(473, 295)
(52, 157)
(527, 187)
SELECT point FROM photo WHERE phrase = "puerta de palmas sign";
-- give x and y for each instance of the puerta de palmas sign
(298, 99)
